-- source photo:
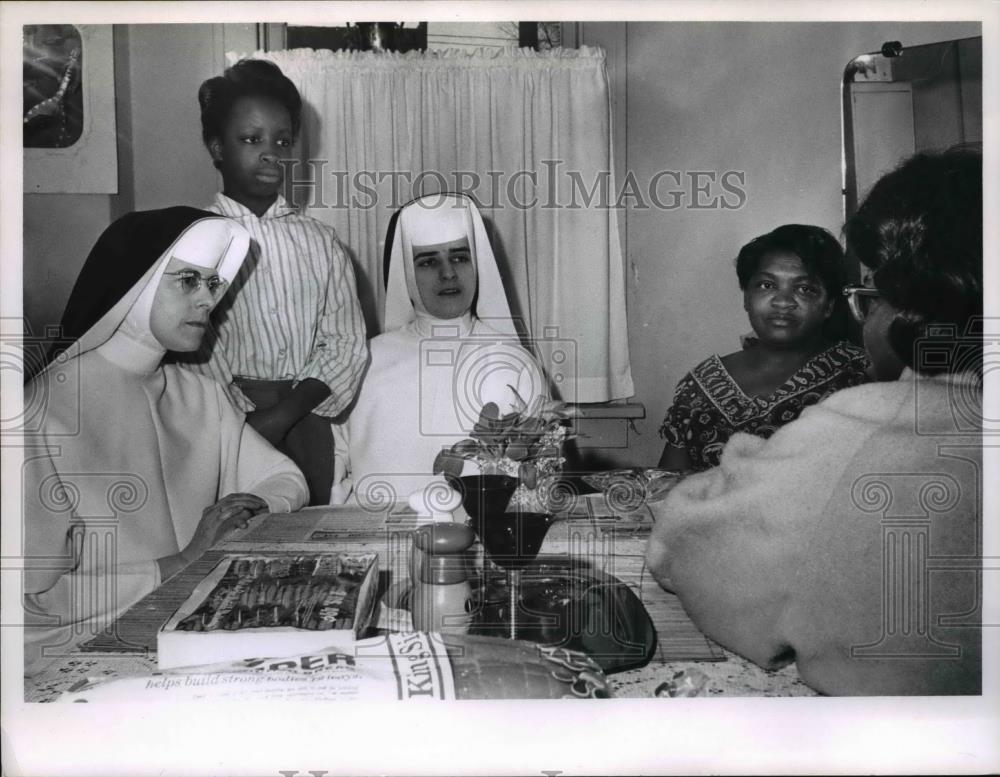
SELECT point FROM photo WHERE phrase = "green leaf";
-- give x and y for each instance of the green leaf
(528, 473)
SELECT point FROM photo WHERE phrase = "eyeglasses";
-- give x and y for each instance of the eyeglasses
(190, 281)
(859, 301)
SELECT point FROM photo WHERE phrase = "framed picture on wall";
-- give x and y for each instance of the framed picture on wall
(68, 110)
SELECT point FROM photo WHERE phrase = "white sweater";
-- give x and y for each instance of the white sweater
(850, 542)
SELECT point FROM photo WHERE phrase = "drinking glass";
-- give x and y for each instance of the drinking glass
(511, 540)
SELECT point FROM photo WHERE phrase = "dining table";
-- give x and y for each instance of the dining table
(606, 539)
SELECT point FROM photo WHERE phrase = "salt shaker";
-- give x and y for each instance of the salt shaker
(441, 590)
(437, 501)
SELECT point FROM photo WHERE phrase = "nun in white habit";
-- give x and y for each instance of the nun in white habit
(448, 348)
(138, 466)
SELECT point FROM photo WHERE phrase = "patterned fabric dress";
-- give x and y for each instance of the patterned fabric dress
(709, 406)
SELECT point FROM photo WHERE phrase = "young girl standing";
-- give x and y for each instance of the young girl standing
(290, 339)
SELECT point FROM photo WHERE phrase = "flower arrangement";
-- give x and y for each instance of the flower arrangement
(525, 443)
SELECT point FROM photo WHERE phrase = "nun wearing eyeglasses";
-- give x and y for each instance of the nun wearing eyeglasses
(850, 541)
(138, 466)
(448, 347)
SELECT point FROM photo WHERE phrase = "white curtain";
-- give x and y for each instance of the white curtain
(511, 128)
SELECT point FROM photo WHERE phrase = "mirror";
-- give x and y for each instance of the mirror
(900, 100)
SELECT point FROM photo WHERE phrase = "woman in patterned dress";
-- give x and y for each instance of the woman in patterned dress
(791, 280)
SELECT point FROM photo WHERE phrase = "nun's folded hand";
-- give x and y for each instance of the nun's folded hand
(230, 513)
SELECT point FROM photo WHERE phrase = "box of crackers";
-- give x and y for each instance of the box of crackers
(272, 605)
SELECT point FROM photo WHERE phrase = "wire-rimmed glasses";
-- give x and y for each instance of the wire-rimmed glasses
(191, 280)
(859, 301)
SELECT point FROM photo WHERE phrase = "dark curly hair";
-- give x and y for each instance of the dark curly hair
(821, 256)
(247, 78)
(920, 230)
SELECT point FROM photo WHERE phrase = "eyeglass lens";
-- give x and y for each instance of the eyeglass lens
(860, 304)
(191, 282)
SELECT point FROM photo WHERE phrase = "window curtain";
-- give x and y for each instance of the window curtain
(526, 134)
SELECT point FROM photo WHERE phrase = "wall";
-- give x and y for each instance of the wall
(171, 164)
(58, 231)
(759, 98)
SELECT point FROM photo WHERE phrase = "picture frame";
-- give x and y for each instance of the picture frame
(90, 164)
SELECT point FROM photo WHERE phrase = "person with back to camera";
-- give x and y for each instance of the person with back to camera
(290, 339)
(791, 280)
(139, 466)
(792, 549)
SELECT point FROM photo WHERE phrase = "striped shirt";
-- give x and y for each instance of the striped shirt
(292, 311)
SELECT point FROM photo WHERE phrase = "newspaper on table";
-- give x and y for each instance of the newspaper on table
(396, 667)
(409, 666)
